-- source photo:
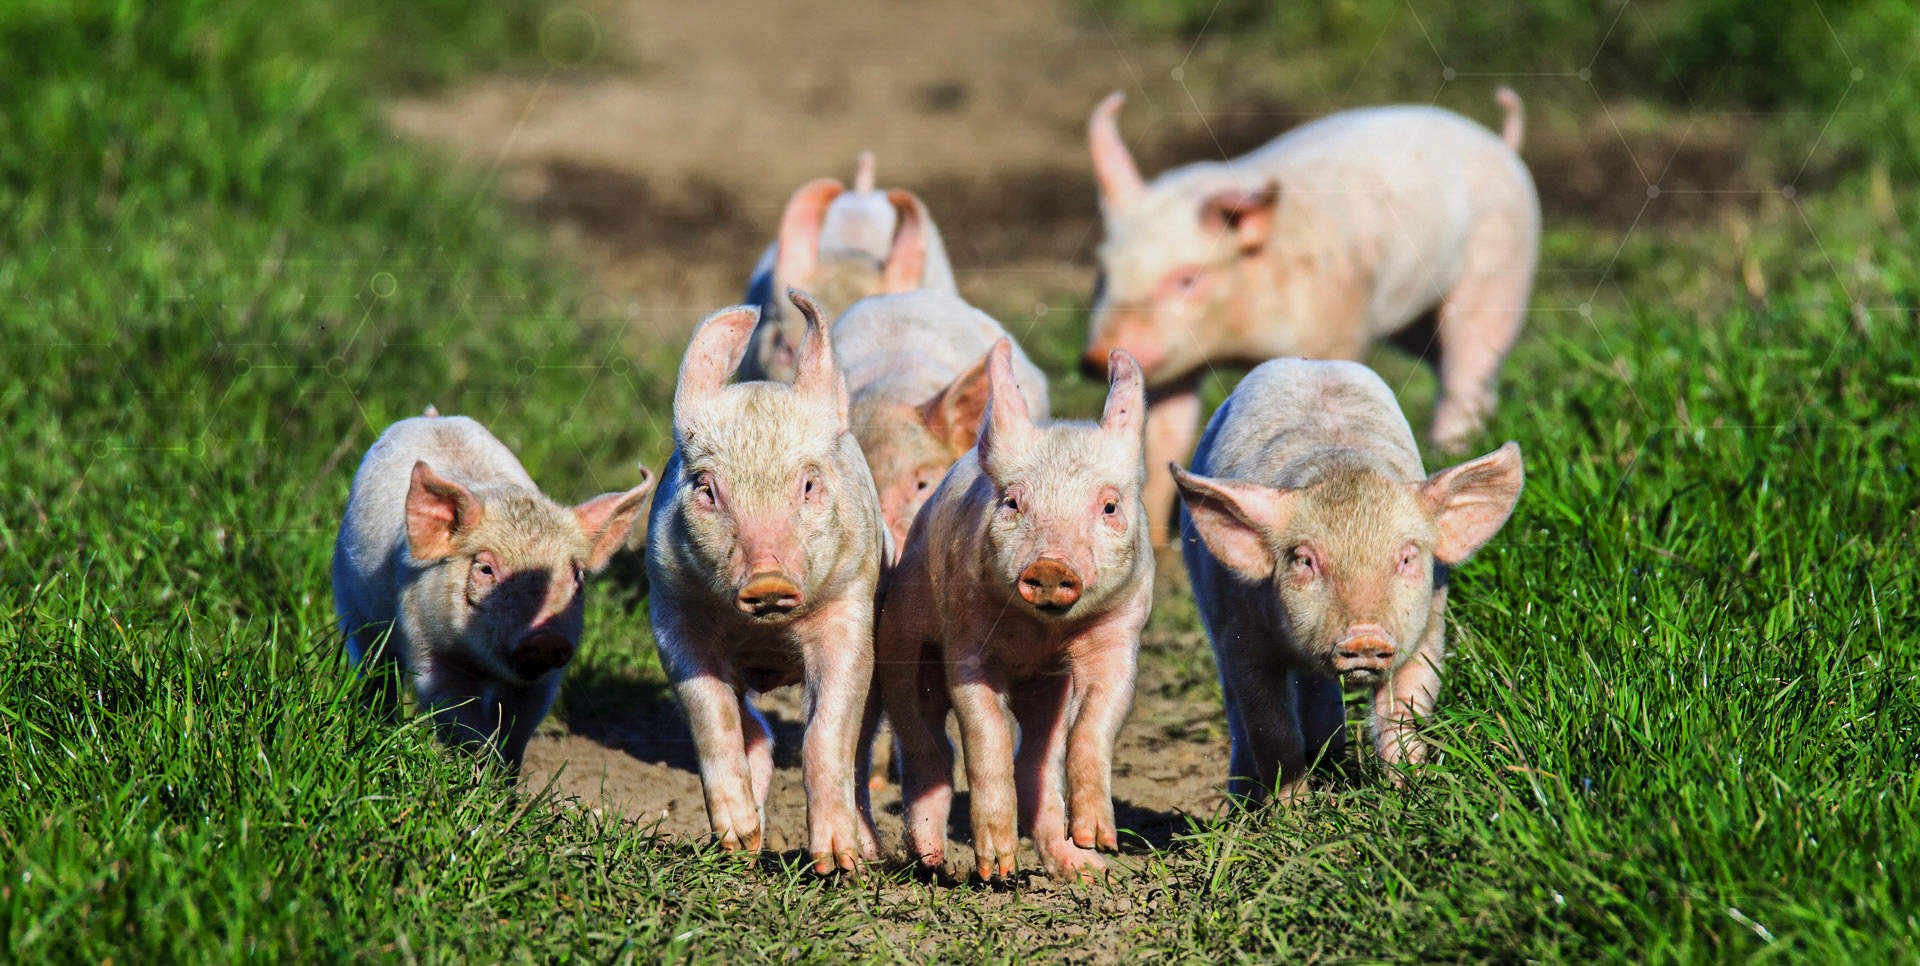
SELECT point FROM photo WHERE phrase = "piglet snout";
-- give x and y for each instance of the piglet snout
(538, 652)
(1050, 584)
(1366, 648)
(768, 594)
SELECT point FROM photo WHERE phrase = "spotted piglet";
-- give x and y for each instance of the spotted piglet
(1023, 586)
(763, 560)
(447, 542)
(1319, 551)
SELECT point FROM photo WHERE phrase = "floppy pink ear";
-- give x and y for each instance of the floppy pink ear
(713, 354)
(955, 413)
(1237, 520)
(438, 509)
(1245, 215)
(1113, 165)
(1126, 396)
(1008, 423)
(800, 225)
(816, 373)
(1472, 501)
(906, 268)
(608, 518)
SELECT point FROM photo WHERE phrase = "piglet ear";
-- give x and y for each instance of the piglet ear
(815, 372)
(800, 224)
(955, 413)
(1113, 165)
(1470, 502)
(1237, 520)
(1247, 216)
(608, 518)
(713, 354)
(1126, 396)
(1008, 425)
(438, 510)
(863, 172)
(906, 267)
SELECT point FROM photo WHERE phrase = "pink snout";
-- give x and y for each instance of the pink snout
(538, 652)
(1050, 584)
(1366, 648)
(768, 594)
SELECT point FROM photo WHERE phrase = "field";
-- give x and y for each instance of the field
(240, 238)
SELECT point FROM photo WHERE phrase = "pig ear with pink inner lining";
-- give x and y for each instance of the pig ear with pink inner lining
(955, 413)
(1237, 520)
(1472, 501)
(438, 509)
(1245, 215)
(1113, 165)
(1007, 424)
(713, 355)
(799, 246)
(1126, 396)
(608, 518)
(906, 266)
(815, 371)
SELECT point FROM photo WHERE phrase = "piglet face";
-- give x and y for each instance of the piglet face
(757, 478)
(1175, 266)
(1067, 529)
(506, 566)
(909, 448)
(1349, 560)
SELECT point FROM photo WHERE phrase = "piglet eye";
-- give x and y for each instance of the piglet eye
(1010, 502)
(1111, 508)
(1305, 564)
(1409, 558)
(920, 486)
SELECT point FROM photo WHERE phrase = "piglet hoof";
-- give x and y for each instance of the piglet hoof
(994, 856)
(838, 845)
(1067, 862)
(1096, 831)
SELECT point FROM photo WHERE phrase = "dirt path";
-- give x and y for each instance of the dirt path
(666, 173)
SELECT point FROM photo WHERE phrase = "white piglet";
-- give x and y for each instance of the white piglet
(763, 559)
(1319, 553)
(1409, 222)
(447, 542)
(840, 246)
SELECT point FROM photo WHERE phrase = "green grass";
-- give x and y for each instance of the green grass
(1681, 726)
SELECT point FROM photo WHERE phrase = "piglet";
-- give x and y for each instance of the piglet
(1024, 584)
(916, 365)
(1319, 551)
(447, 542)
(1408, 222)
(763, 559)
(841, 246)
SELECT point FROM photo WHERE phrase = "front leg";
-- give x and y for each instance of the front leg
(712, 706)
(1103, 686)
(837, 645)
(979, 692)
(521, 710)
(1173, 421)
(1044, 709)
(1271, 759)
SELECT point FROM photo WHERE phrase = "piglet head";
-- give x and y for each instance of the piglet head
(1350, 559)
(843, 246)
(1067, 532)
(909, 448)
(505, 565)
(1178, 273)
(757, 470)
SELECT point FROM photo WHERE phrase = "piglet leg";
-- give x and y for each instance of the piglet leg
(713, 710)
(1173, 422)
(978, 698)
(1043, 708)
(1103, 683)
(838, 651)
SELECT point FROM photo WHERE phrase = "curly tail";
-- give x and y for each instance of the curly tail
(1513, 127)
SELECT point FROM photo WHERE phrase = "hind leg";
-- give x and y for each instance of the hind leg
(1478, 322)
